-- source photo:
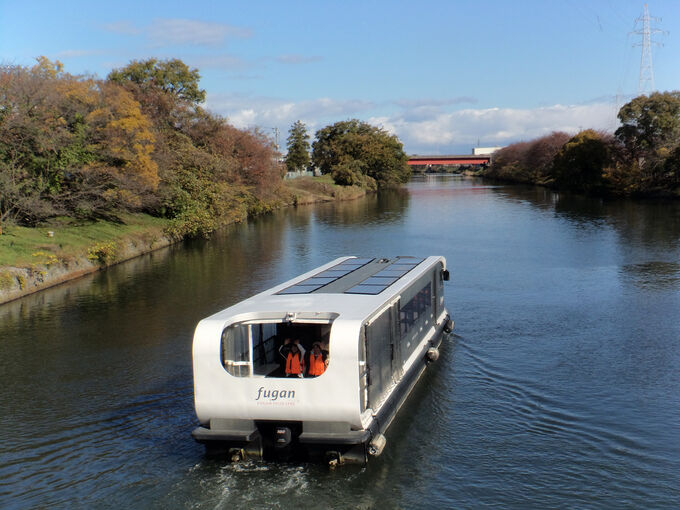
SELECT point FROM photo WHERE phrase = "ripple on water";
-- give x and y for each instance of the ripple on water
(654, 275)
(578, 441)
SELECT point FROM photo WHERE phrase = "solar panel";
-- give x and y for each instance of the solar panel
(390, 273)
(316, 280)
(374, 284)
(300, 289)
(325, 277)
(334, 273)
(361, 262)
(407, 267)
(366, 289)
(408, 260)
(373, 280)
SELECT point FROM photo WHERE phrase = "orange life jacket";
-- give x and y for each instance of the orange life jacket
(317, 365)
(294, 363)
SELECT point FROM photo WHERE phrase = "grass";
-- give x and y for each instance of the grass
(24, 247)
(320, 189)
(28, 247)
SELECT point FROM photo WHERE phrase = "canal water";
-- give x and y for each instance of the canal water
(559, 388)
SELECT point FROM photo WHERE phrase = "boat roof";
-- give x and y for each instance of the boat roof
(348, 286)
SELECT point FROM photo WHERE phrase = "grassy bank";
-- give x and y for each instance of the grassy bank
(308, 190)
(70, 239)
(35, 258)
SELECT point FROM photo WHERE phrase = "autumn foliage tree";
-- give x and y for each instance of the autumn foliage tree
(528, 162)
(641, 158)
(60, 136)
(211, 172)
(139, 141)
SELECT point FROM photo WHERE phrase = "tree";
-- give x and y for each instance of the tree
(672, 170)
(81, 147)
(650, 133)
(298, 147)
(171, 76)
(42, 139)
(123, 138)
(354, 151)
(650, 123)
(528, 162)
(580, 163)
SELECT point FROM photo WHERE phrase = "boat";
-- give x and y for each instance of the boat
(317, 367)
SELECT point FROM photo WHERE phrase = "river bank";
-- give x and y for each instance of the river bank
(35, 259)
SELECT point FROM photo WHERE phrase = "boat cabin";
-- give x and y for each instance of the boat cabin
(320, 363)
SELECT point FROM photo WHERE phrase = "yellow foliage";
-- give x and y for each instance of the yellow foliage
(79, 91)
(104, 253)
(46, 258)
(46, 68)
(122, 196)
(125, 133)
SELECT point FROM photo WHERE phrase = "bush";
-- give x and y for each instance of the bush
(527, 162)
(579, 164)
(104, 253)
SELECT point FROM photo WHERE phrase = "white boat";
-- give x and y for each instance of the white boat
(375, 324)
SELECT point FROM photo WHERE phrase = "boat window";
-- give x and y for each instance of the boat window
(413, 315)
(255, 349)
(380, 355)
(439, 291)
(235, 351)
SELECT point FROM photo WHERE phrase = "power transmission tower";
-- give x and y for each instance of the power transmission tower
(646, 82)
(276, 137)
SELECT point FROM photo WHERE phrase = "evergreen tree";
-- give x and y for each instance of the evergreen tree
(356, 153)
(298, 147)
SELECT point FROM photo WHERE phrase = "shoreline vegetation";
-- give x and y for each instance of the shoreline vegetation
(641, 159)
(97, 171)
(36, 258)
(94, 172)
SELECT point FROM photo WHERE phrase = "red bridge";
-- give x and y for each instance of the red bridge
(476, 159)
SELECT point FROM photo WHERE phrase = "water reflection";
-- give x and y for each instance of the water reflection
(653, 275)
(647, 232)
(385, 208)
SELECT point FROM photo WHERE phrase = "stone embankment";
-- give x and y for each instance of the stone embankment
(16, 282)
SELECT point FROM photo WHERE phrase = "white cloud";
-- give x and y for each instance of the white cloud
(79, 53)
(247, 111)
(170, 32)
(122, 27)
(294, 59)
(424, 127)
(443, 131)
(225, 62)
(186, 31)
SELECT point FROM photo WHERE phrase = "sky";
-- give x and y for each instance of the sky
(444, 76)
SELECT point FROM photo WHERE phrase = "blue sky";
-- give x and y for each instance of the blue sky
(443, 75)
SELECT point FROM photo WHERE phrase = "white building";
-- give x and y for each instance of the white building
(484, 151)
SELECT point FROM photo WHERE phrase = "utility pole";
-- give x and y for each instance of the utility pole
(646, 81)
